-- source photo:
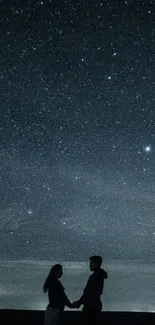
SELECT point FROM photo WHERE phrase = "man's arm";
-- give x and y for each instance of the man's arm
(80, 302)
(93, 289)
(96, 285)
(82, 299)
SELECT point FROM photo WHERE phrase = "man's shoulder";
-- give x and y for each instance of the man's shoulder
(100, 273)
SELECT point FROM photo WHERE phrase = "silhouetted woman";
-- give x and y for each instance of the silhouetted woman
(56, 295)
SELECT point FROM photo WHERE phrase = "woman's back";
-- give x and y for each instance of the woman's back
(56, 294)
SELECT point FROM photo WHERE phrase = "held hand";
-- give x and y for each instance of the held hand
(71, 306)
(76, 304)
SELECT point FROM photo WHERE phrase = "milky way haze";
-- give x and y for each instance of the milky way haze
(77, 129)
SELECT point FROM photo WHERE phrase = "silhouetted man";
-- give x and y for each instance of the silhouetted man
(91, 298)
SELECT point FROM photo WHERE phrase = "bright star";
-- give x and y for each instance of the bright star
(147, 148)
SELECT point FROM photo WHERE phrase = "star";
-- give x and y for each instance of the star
(147, 148)
(77, 130)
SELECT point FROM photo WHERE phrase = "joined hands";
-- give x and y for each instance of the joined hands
(76, 304)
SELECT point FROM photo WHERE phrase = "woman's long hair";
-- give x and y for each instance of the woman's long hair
(55, 268)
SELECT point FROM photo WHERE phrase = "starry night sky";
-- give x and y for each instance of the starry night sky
(77, 129)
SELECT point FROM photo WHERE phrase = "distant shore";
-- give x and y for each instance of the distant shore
(130, 285)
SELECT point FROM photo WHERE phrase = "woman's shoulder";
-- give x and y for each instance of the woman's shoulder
(55, 282)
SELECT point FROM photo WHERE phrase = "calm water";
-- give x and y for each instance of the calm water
(130, 286)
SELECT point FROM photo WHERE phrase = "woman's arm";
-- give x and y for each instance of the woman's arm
(67, 302)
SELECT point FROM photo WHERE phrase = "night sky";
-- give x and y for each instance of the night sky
(77, 129)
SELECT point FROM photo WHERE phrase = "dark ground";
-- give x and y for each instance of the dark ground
(24, 317)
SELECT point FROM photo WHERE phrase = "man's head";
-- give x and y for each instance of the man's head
(95, 262)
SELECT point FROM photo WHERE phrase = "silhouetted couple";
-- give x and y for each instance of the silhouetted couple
(91, 298)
